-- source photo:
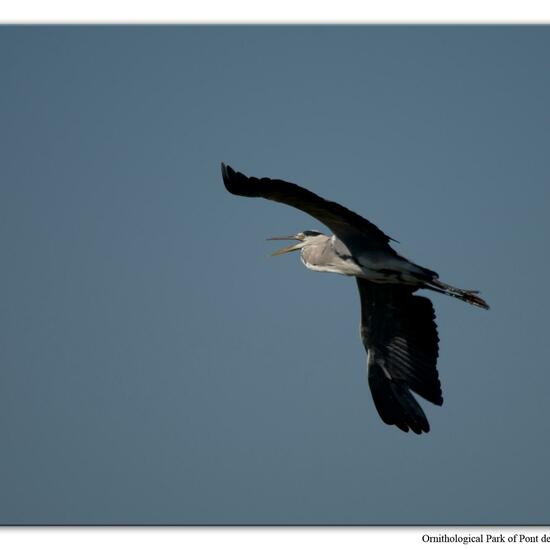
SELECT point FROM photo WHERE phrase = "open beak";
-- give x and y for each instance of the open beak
(286, 249)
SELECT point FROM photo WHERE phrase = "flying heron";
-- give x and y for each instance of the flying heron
(398, 327)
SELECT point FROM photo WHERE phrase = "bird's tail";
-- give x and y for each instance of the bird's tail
(468, 296)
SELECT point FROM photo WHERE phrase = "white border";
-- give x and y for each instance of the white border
(275, 11)
(266, 538)
(257, 11)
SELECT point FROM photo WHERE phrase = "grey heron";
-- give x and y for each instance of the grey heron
(397, 327)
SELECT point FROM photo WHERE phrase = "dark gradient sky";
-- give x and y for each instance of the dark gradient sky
(157, 366)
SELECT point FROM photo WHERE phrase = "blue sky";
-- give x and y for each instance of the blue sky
(159, 367)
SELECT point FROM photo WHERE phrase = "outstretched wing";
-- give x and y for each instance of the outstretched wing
(348, 226)
(400, 335)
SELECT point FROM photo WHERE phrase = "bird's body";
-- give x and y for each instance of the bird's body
(330, 254)
(397, 327)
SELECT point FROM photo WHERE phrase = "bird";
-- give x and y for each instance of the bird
(397, 326)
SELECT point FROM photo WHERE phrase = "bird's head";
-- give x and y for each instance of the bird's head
(304, 239)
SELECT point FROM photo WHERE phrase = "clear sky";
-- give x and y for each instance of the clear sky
(157, 366)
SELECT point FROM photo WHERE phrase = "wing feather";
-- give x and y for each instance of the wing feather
(346, 225)
(400, 335)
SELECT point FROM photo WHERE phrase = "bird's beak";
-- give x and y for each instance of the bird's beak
(286, 249)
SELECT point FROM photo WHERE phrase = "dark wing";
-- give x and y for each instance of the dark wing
(400, 335)
(348, 226)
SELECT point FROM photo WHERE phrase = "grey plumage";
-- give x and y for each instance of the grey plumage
(397, 327)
